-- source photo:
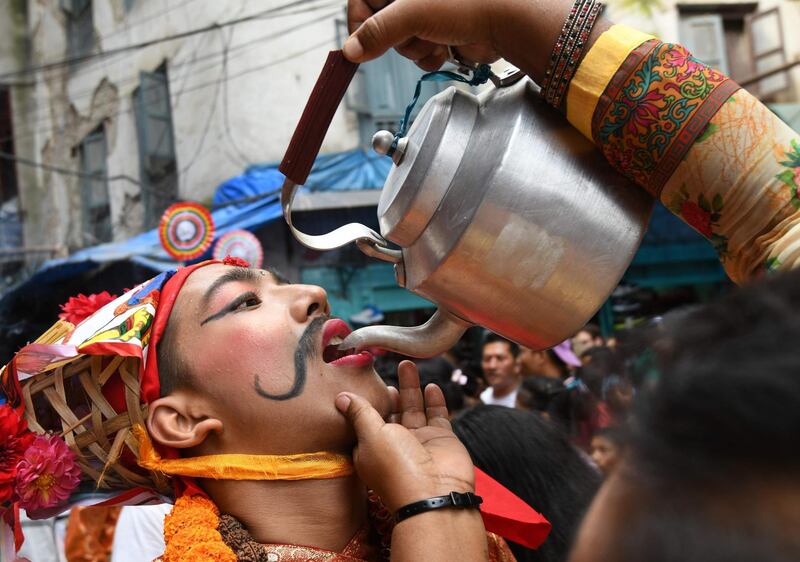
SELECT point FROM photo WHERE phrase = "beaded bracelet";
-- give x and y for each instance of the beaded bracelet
(564, 45)
(568, 49)
(558, 49)
(575, 54)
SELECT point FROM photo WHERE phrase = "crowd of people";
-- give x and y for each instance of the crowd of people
(222, 388)
(583, 386)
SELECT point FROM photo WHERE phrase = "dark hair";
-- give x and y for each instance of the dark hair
(536, 461)
(491, 337)
(560, 364)
(539, 392)
(602, 363)
(438, 370)
(616, 435)
(172, 373)
(719, 428)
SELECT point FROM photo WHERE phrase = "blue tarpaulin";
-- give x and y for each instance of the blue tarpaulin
(247, 201)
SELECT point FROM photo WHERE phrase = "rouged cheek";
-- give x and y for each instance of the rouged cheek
(234, 355)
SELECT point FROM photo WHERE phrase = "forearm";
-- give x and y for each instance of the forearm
(712, 153)
(441, 535)
(525, 34)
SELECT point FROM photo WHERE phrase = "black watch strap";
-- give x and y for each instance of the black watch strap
(453, 499)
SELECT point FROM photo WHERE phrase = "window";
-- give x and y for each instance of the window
(387, 84)
(383, 88)
(80, 26)
(10, 224)
(766, 35)
(158, 169)
(738, 41)
(703, 35)
(94, 188)
(717, 35)
(8, 169)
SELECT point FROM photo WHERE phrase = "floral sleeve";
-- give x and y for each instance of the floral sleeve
(710, 151)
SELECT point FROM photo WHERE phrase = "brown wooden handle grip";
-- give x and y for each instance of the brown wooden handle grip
(317, 116)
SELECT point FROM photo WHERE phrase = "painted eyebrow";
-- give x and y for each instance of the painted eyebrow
(241, 274)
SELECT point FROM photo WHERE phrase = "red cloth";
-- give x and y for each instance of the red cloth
(507, 515)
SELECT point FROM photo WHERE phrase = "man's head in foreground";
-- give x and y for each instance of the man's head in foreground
(248, 364)
(498, 361)
(710, 471)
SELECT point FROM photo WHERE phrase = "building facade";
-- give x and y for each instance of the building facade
(755, 43)
(110, 110)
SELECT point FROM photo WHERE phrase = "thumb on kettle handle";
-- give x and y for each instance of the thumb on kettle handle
(435, 336)
(328, 92)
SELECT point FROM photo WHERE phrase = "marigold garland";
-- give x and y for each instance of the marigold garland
(190, 532)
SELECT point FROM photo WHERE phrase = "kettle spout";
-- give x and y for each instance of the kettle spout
(435, 336)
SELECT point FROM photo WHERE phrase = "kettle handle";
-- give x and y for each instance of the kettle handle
(368, 241)
(336, 75)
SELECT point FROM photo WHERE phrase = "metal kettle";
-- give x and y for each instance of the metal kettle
(504, 215)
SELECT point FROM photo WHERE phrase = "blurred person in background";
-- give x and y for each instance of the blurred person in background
(607, 448)
(587, 337)
(710, 470)
(557, 362)
(501, 371)
(535, 460)
(439, 371)
(613, 392)
(536, 394)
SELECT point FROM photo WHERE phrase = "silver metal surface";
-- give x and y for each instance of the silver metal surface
(436, 143)
(382, 142)
(507, 218)
(508, 77)
(447, 327)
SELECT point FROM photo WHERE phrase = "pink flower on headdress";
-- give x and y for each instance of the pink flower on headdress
(79, 308)
(15, 438)
(47, 473)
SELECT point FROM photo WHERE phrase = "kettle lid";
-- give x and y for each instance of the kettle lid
(425, 163)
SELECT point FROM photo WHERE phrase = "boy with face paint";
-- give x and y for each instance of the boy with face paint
(250, 404)
(250, 357)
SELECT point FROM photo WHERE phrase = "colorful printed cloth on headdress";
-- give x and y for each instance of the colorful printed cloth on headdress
(122, 327)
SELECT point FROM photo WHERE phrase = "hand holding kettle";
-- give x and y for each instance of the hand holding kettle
(496, 209)
(521, 31)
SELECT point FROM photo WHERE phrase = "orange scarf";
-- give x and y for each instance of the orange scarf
(305, 466)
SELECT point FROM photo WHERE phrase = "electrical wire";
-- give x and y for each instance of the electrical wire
(98, 107)
(226, 118)
(128, 25)
(238, 49)
(210, 116)
(141, 45)
(65, 171)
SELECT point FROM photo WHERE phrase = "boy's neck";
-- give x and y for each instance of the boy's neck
(319, 513)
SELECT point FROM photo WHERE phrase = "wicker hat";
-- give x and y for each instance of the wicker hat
(69, 401)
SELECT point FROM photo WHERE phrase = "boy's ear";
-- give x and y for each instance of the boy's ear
(173, 421)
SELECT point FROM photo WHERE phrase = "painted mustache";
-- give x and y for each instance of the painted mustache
(306, 349)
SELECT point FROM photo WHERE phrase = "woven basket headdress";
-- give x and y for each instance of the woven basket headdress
(89, 384)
